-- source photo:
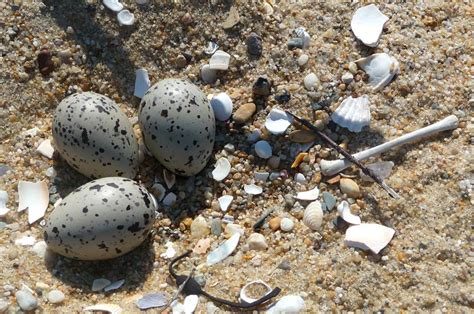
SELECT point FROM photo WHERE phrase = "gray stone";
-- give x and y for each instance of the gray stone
(289, 200)
(26, 300)
(216, 228)
(55, 296)
(329, 200)
(254, 45)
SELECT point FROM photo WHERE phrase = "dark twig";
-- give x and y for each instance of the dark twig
(346, 154)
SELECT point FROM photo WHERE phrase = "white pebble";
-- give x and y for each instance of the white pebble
(219, 60)
(300, 178)
(287, 224)
(26, 300)
(222, 106)
(347, 78)
(56, 296)
(257, 242)
(303, 59)
(208, 75)
(125, 17)
(263, 149)
(310, 81)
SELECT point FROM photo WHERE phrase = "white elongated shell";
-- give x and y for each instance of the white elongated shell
(219, 60)
(224, 202)
(222, 169)
(313, 215)
(263, 149)
(344, 211)
(34, 197)
(109, 308)
(288, 304)
(243, 291)
(125, 17)
(45, 149)
(310, 195)
(367, 24)
(353, 113)
(113, 5)
(372, 237)
(190, 303)
(142, 82)
(222, 106)
(3, 203)
(224, 250)
(278, 121)
(252, 189)
(381, 69)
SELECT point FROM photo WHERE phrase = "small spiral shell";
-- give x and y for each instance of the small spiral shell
(313, 216)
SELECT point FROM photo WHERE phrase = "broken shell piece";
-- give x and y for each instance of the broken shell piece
(224, 250)
(219, 61)
(208, 75)
(372, 237)
(353, 113)
(221, 170)
(46, 149)
(381, 69)
(99, 284)
(125, 17)
(222, 106)
(243, 291)
(367, 24)
(252, 189)
(3, 203)
(288, 304)
(114, 285)
(190, 303)
(299, 159)
(34, 197)
(211, 48)
(170, 251)
(313, 215)
(202, 246)
(224, 202)
(109, 308)
(113, 5)
(278, 121)
(382, 169)
(26, 240)
(310, 195)
(344, 211)
(263, 149)
(169, 199)
(142, 82)
(303, 34)
(152, 300)
(169, 177)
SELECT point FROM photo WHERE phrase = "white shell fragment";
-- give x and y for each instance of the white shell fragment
(243, 291)
(252, 189)
(367, 24)
(353, 113)
(372, 237)
(278, 121)
(221, 169)
(190, 303)
(170, 251)
(34, 197)
(313, 215)
(114, 285)
(303, 34)
(224, 250)
(142, 82)
(224, 202)
(208, 75)
(109, 308)
(288, 304)
(45, 149)
(125, 17)
(3, 203)
(310, 195)
(381, 69)
(382, 169)
(222, 106)
(26, 240)
(263, 149)
(169, 199)
(99, 284)
(219, 61)
(113, 5)
(169, 177)
(152, 300)
(344, 211)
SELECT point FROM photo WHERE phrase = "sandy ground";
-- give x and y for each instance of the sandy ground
(426, 267)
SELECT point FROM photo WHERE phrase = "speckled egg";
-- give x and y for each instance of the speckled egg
(178, 125)
(102, 219)
(95, 137)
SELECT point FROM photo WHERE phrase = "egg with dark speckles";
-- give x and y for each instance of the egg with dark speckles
(95, 137)
(102, 219)
(178, 125)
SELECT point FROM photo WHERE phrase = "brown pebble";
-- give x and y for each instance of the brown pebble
(45, 64)
(181, 61)
(187, 19)
(244, 113)
(334, 180)
(302, 136)
(12, 254)
(349, 187)
(274, 223)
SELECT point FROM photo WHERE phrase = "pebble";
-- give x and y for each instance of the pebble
(254, 45)
(208, 75)
(274, 223)
(244, 113)
(99, 284)
(347, 78)
(55, 296)
(222, 106)
(302, 136)
(26, 300)
(219, 61)
(284, 97)
(286, 224)
(256, 241)
(329, 200)
(302, 60)
(40, 248)
(216, 228)
(310, 81)
(289, 200)
(232, 228)
(45, 63)
(274, 162)
(300, 178)
(349, 187)
(199, 227)
(263, 149)
(353, 67)
(4, 306)
(294, 43)
(261, 87)
(254, 136)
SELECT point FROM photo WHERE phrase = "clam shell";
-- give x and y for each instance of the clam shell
(224, 250)
(344, 211)
(372, 237)
(367, 24)
(381, 69)
(313, 216)
(310, 195)
(221, 170)
(278, 121)
(353, 113)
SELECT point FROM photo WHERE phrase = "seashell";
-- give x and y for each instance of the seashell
(169, 177)
(105, 307)
(382, 169)
(142, 82)
(114, 285)
(113, 5)
(224, 250)
(170, 251)
(34, 197)
(252, 189)
(310, 195)
(211, 48)
(152, 300)
(3, 203)
(45, 149)
(299, 159)
(219, 61)
(278, 121)
(372, 237)
(222, 106)
(313, 215)
(169, 199)
(221, 169)
(99, 284)
(208, 75)
(263, 149)
(367, 24)
(381, 69)
(202, 246)
(344, 211)
(261, 176)
(288, 304)
(353, 113)
(286, 224)
(26, 240)
(224, 202)
(310, 81)
(125, 17)
(243, 291)
(303, 34)
(190, 303)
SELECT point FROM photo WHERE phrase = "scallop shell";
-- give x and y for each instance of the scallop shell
(367, 24)
(353, 113)
(381, 69)
(313, 216)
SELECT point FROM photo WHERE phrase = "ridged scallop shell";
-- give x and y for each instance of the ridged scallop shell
(313, 216)
(353, 113)
(381, 69)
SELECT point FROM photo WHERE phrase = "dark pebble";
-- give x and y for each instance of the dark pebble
(262, 87)
(45, 64)
(254, 45)
(295, 43)
(283, 97)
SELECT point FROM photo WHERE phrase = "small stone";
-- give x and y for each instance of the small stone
(187, 19)
(347, 78)
(284, 97)
(244, 113)
(254, 136)
(329, 200)
(349, 187)
(26, 300)
(232, 19)
(274, 162)
(274, 223)
(181, 61)
(199, 227)
(254, 45)
(99, 284)
(256, 241)
(285, 265)
(216, 228)
(208, 75)
(300, 178)
(231, 228)
(3, 306)
(219, 61)
(287, 224)
(55, 296)
(310, 81)
(295, 43)
(353, 67)
(302, 60)
(289, 200)
(302, 136)
(262, 87)
(263, 149)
